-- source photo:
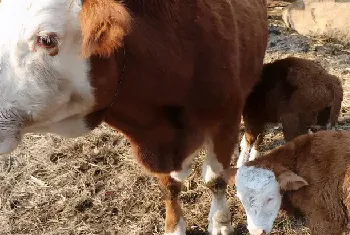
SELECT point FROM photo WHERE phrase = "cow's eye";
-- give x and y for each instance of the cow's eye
(47, 41)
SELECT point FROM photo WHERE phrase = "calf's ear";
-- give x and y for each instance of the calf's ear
(288, 180)
(229, 175)
(104, 23)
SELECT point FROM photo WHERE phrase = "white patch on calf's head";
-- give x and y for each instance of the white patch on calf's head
(254, 178)
(41, 68)
(259, 193)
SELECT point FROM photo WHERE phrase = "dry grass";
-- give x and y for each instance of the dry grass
(91, 185)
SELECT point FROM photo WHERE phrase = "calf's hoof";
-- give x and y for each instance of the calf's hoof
(221, 223)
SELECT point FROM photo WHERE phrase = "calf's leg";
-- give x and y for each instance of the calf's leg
(291, 124)
(254, 152)
(249, 143)
(334, 116)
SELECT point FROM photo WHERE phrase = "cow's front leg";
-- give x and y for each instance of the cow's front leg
(219, 216)
(171, 188)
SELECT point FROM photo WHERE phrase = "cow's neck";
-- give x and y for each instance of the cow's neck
(106, 75)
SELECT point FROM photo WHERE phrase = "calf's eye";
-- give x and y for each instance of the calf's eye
(269, 200)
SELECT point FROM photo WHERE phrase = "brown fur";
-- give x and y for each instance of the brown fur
(171, 190)
(187, 70)
(104, 24)
(297, 92)
(322, 160)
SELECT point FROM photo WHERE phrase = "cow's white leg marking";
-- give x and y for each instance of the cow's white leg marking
(183, 174)
(180, 228)
(245, 151)
(219, 216)
(180, 176)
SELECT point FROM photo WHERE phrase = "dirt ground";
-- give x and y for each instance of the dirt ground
(91, 185)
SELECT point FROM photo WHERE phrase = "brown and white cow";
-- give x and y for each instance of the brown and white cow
(170, 75)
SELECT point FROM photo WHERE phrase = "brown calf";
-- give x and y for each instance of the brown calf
(297, 92)
(179, 78)
(309, 177)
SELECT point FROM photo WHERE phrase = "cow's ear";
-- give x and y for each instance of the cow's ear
(288, 180)
(104, 24)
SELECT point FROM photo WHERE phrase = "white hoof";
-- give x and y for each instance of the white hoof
(180, 228)
(221, 223)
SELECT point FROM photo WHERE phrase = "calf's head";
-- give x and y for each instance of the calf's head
(45, 47)
(259, 191)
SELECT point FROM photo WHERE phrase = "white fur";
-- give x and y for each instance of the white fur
(254, 153)
(180, 228)
(36, 89)
(69, 127)
(211, 167)
(245, 150)
(259, 193)
(182, 175)
(219, 208)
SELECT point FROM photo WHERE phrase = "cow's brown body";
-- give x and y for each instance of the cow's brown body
(180, 77)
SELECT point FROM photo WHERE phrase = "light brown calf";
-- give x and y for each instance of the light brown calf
(309, 177)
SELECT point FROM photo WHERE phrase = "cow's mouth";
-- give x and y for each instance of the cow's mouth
(10, 130)
(8, 144)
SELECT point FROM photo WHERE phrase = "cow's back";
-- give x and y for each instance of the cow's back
(252, 22)
(197, 54)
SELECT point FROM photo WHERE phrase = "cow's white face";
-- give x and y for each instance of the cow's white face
(44, 84)
(259, 192)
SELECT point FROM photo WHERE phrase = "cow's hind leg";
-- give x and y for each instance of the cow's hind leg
(220, 149)
(174, 221)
